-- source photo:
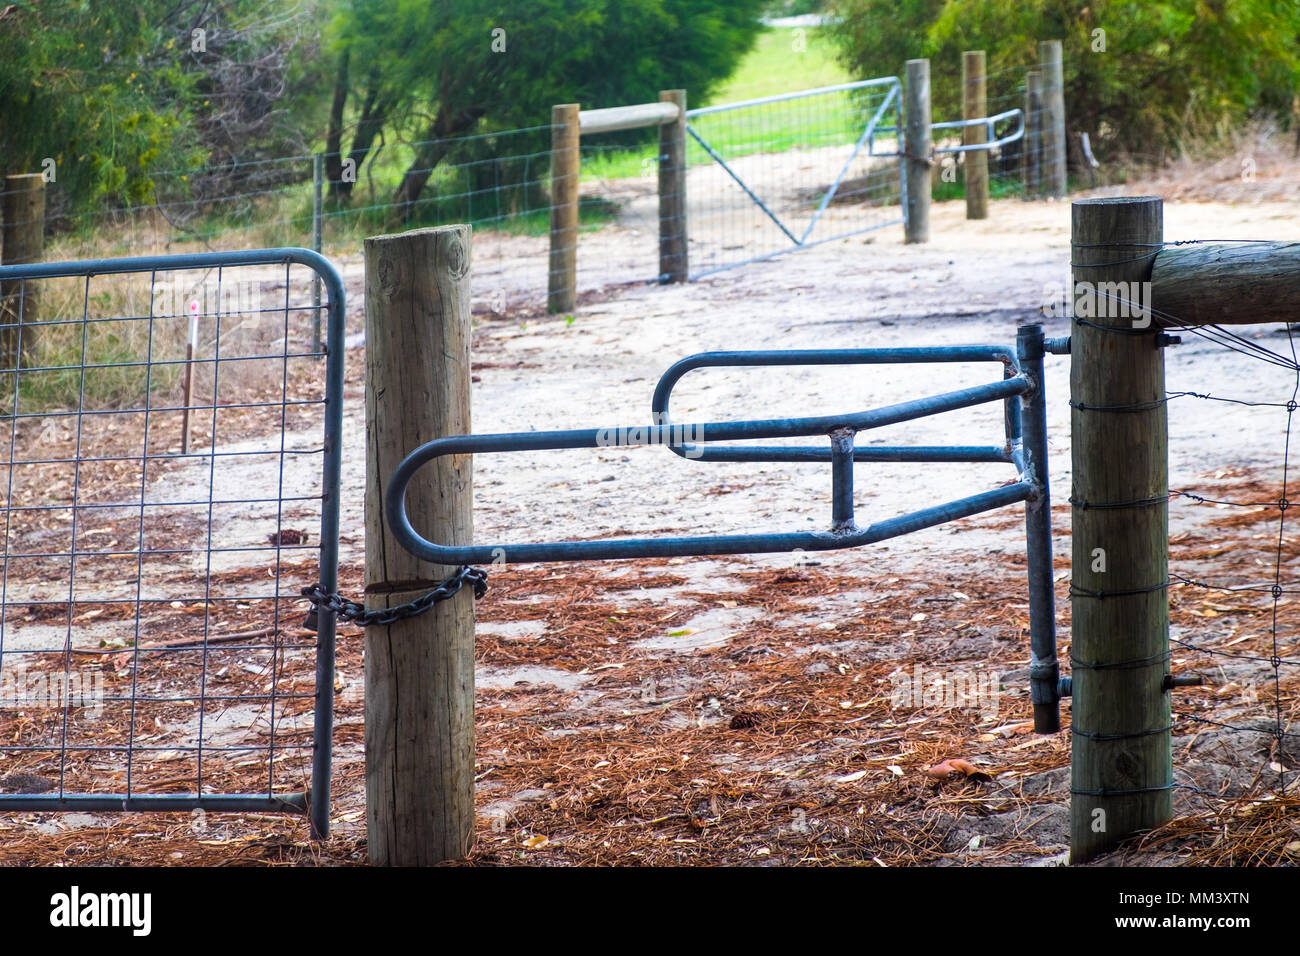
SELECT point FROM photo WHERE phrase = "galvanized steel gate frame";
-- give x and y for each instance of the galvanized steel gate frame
(1024, 447)
(1020, 389)
(315, 802)
(893, 98)
(867, 139)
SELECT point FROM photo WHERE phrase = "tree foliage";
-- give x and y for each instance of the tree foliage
(1157, 72)
(79, 84)
(431, 71)
(123, 96)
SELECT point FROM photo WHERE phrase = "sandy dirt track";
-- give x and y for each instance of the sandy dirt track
(745, 710)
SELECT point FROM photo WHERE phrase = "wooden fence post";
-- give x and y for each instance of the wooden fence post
(24, 241)
(1121, 768)
(916, 148)
(565, 168)
(1031, 153)
(673, 256)
(419, 671)
(1053, 118)
(974, 105)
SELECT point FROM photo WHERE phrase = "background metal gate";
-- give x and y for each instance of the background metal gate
(792, 171)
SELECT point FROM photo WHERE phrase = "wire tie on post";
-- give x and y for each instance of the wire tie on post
(1125, 592)
(1083, 505)
(1131, 664)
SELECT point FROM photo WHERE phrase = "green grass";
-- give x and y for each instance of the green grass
(772, 67)
(999, 188)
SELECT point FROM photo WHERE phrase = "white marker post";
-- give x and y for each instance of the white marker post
(191, 348)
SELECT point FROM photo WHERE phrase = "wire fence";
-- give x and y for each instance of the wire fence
(1251, 658)
(165, 488)
(1232, 557)
(764, 176)
(1018, 168)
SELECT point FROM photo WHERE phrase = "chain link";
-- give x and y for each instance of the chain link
(357, 613)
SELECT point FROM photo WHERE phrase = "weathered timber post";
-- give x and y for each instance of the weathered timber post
(565, 166)
(673, 263)
(974, 105)
(419, 671)
(24, 241)
(1231, 283)
(1121, 768)
(916, 151)
(1053, 118)
(1031, 162)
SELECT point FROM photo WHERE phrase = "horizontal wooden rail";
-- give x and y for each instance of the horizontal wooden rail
(1226, 283)
(615, 118)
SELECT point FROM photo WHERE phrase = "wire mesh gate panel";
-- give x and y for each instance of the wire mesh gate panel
(170, 480)
(789, 171)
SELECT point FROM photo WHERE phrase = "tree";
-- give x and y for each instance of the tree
(436, 71)
(79, 85)
(1157, 71)
(155, 99)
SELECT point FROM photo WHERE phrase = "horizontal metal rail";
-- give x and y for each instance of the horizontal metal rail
(1026, 448)
(814, 357)
(992, 142)
(104, 802)
(843, 534)
(799, 94)
(988, 122)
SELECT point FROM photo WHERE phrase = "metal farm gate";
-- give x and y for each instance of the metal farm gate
(170, 481)
(171, 489)
(791, 171)
(794, 170)
(1024, 447)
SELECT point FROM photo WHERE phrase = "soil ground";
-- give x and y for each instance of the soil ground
(747, 710)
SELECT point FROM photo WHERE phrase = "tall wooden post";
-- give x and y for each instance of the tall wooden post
(1121, 769)
(1053, 124)
(565, 166)
(1031, 162)
(673, 262)
(916, 149)
(419, 671)
(24, 241)
(974, 105)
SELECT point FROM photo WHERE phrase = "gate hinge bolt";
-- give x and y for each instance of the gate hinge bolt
(1188, 680)
(1163, 339)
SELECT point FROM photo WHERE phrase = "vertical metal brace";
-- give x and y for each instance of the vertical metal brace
(1043, 670)
(842, 479)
